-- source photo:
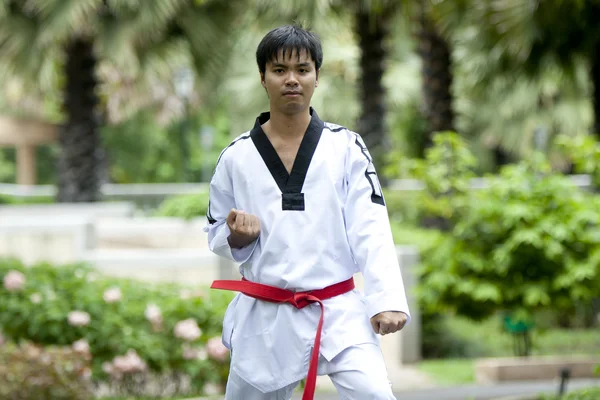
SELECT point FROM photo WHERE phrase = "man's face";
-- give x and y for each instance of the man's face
(290, 81)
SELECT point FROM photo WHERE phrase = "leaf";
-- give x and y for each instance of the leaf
(536, 296)
(487, 292)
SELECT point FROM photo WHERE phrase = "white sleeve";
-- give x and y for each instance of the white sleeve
(221, 201)
(370, 235)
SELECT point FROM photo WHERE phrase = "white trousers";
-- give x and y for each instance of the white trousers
(358, 373)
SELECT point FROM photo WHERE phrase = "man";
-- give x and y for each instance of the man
(296, 201)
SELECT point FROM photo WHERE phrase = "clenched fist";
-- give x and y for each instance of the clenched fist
(244, 228)
(388, 322)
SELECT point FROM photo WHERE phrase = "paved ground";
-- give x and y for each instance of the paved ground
(473, 392)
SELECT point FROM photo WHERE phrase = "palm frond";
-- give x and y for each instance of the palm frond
(116, 42)
(61, 19)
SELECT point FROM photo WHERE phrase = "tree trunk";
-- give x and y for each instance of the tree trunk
(79, 164)
(595, 77)
(372, 31)
(436, 78)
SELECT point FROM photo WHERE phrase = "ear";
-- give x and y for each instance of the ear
(262, 79)
(317, 80)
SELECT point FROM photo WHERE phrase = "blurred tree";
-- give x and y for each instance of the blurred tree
(373, 34)
(436, 71)
(88, 49)
(525, 36)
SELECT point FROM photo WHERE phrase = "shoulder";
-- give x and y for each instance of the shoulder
(237, 145)
(351, 139)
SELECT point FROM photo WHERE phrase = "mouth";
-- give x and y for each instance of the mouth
(291, 94)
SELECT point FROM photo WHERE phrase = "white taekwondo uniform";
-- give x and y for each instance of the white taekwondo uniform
(320, 224)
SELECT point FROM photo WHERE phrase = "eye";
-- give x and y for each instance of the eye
(278, 70)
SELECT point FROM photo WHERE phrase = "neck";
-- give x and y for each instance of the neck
(289, 125)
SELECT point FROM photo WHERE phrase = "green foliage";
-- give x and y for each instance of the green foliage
(142, 151)
(187, 206)
(584, 152)
(446, 172)
(401, 206)
(28, 372)
(39, 310)
(580, 394)
(7, 166)
(6, 199)
(529, 241)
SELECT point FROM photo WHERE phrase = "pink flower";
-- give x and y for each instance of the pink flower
(127, 364)
(211, 389)
(216, 350)
(193, 353)
(153, 314)
(36, 298)
(14, 281)
(112, 295)
(85, 373)
(187, 330)
(78, 318)
(81, 346)
(107, 368)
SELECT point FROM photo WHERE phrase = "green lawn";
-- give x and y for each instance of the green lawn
(584, 394)
(449, 371)
(486, 339)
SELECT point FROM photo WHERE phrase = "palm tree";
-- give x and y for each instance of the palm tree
(71, 45)
(435, 52)
(372, 29)
(525, 36)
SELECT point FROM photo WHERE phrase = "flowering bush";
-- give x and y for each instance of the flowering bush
(129, 331)
(32, 372)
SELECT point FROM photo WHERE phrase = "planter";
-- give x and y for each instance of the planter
(494, 370)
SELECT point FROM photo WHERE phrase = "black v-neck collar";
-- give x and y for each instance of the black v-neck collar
(292, 182)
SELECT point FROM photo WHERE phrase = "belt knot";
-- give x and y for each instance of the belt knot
(300, 299)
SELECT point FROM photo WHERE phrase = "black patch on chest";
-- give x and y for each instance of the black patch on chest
(290, 184)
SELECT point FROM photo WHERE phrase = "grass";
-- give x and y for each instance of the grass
(449, 371)
(583, 394)
(487, 339)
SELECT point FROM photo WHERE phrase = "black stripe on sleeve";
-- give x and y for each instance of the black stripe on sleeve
(371, 175)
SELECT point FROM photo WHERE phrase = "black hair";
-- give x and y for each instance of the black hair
(288, 38)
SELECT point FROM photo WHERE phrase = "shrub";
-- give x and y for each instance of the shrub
(584, 152)
(530, 241)
(28, 372)
(130, 327)
(187, 206)
(527, 242)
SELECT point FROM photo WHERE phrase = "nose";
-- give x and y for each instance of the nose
(291, 80)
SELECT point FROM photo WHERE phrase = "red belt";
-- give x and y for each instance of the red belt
(299, 300)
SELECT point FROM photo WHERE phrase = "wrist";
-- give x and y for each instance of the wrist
(239, 242)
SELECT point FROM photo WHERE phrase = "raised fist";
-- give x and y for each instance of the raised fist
(244, 228)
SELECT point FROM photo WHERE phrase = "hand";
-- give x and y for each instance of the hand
(244, 228)
(388, 322)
